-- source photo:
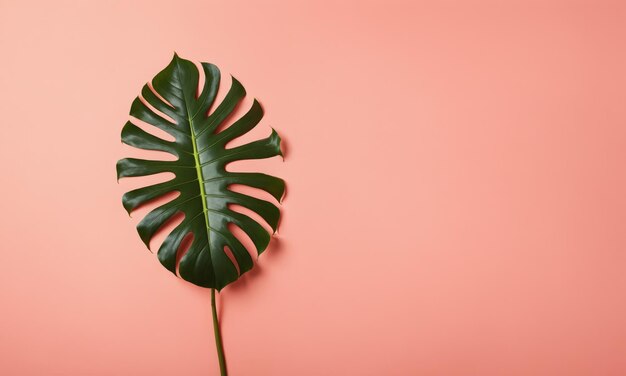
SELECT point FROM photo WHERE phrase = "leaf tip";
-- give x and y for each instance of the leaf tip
(144, 238)
(277, 141)
(118, 170)
(128, 208)
(176, 59)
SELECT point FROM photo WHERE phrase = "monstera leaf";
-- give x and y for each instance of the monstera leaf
(177, 105)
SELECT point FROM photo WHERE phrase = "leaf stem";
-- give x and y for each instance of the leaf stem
(218, 336)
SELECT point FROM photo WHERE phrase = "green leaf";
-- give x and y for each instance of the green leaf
(182, 111)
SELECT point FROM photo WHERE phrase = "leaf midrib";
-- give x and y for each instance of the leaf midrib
(198, 166)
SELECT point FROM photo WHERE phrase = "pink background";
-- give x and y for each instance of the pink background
(456, 189)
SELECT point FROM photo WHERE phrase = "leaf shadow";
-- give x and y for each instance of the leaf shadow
(275, 250)
(284, 147)
(244, 283)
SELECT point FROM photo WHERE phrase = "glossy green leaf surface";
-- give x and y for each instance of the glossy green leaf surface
(177, 105)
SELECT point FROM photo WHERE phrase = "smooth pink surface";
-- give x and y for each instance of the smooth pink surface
(456, 189)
